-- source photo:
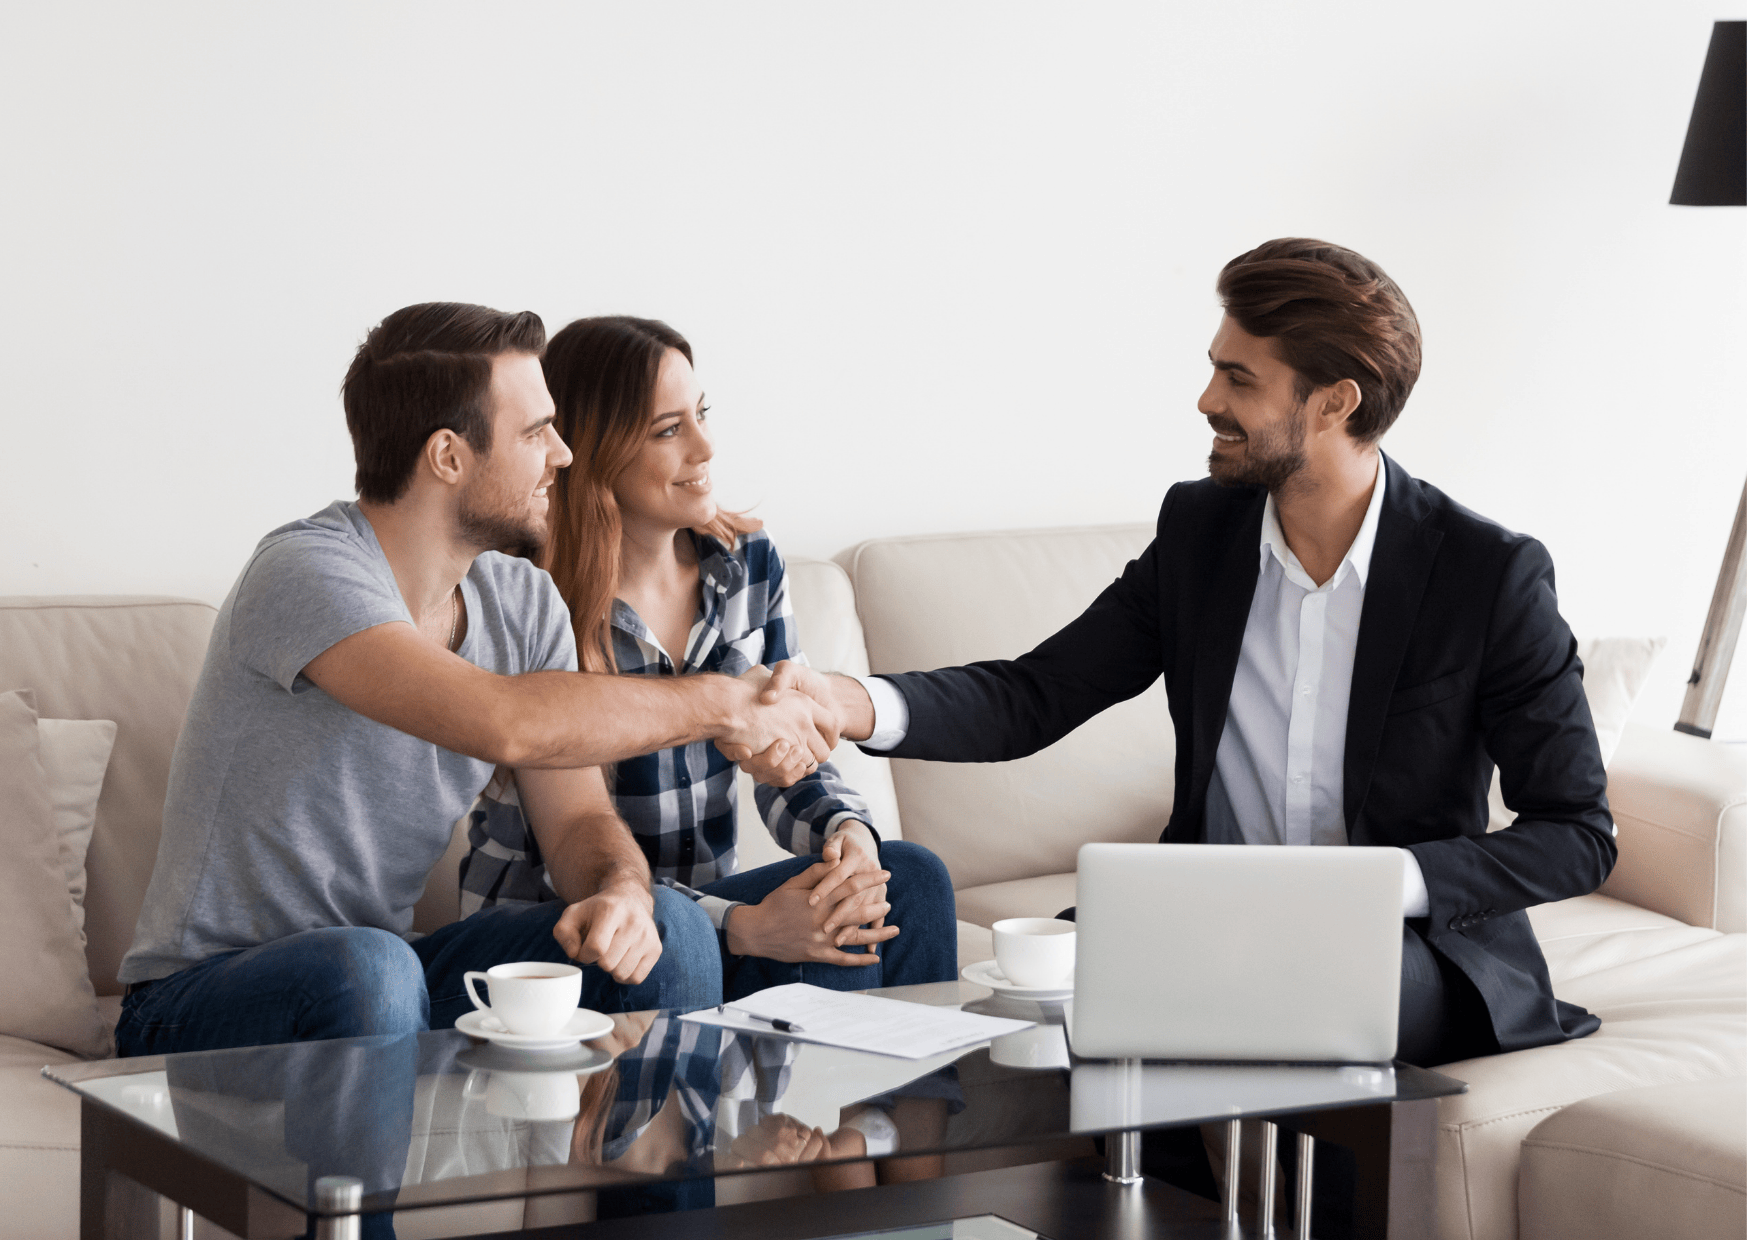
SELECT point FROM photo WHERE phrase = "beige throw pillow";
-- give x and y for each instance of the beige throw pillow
(48, 995)
(75, 753)
(1615, 670)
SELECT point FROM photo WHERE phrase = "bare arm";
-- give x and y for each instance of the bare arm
(543, 720)
(596, 867)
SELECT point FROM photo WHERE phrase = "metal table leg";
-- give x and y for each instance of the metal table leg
(1302, 1211)
(1234, 1171)
(1265, 1210)
(1123, 1157)
(339, 1192)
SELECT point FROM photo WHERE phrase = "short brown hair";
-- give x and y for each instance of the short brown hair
(424, 369)
(1335, 315)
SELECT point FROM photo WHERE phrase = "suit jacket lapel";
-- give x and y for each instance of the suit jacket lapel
(1402, 560)
(1218, 645)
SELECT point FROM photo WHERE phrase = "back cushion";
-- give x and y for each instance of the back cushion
(938, 600)
(133, 660)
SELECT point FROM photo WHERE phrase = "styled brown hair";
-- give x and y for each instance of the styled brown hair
(602, 375)
(1335, 315)
(425, 369)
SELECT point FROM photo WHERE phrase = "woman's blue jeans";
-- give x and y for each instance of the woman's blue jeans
(921, 895)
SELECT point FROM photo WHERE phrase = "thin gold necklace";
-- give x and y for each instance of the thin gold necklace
(454, 616)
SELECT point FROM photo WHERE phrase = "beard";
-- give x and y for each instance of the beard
(489, 525)
(1270, 457)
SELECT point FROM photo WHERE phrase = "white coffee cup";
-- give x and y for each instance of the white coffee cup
(532, 998)
(1035, 951)
(526, 1095)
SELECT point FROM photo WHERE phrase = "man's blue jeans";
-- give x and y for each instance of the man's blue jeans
(921, 895)
(354, 981)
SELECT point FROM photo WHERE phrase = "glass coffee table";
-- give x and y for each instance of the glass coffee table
(666, 1116)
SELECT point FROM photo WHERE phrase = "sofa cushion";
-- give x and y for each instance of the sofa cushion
(1044, 896)
(47, 997)
(39, 1144)
(75, 753)
(1671, 1000)
(133, 660)
(936, 600)
(1666, 1160)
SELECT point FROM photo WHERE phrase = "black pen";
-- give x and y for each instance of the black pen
(787, 1026)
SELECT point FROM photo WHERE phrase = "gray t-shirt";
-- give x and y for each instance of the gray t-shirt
(286, 810)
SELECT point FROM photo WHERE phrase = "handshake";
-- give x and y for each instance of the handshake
(791, 719)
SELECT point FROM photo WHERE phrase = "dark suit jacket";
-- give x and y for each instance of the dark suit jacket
(1462, 662)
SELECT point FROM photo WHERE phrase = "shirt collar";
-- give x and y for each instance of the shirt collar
(1359, 552)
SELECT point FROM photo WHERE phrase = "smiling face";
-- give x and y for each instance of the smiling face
(1254, 408)
(504, 502)
(666, 486)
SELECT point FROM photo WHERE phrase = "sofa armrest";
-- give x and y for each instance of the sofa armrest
(1678, 810)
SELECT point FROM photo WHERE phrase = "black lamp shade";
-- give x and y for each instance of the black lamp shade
(1711, 172)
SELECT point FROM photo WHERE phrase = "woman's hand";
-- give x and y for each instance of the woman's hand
(787, 925)
(778, 1140)
(850, 852)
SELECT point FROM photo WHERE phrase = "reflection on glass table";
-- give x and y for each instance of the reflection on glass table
(982, 1227)
(659, 1112)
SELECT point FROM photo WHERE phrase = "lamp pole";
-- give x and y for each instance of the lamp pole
(1711, 175)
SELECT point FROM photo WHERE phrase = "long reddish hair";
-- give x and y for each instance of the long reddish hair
(602, 376)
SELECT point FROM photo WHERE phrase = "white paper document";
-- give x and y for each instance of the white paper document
(859, 1022)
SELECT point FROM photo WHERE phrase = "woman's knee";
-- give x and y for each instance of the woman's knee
(916, 868)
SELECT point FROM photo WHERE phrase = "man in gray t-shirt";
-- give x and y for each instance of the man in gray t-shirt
(371, 667)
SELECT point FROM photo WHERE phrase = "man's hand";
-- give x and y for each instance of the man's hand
(786, 926)
(613, 929)
(842, 696)
(789, 729)
(850, 852)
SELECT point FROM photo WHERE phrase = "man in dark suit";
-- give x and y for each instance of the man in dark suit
(1347, 653)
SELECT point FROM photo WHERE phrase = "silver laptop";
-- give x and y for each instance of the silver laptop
(1220, 951)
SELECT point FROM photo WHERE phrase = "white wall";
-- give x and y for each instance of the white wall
(946, 266)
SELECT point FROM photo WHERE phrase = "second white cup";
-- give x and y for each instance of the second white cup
(533, 997)
(1035, 951)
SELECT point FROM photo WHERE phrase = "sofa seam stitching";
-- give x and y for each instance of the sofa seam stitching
(1545, 1144)
(1675, 830)
(1465, 1125)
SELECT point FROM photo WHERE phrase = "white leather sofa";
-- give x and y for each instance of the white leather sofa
(1635, 1131)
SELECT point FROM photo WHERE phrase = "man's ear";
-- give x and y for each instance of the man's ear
(448, 456)
(1334, 405)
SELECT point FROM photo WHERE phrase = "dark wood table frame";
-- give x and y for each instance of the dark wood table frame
(1393, 1145)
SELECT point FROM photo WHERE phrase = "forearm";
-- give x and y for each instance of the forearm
(801, 816)
(549, 720)
(597, 854)
(1526, 864)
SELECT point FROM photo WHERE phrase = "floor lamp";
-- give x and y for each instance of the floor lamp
(1711, 175)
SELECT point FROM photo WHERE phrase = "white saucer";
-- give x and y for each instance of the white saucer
(579, 1028)
(986, 973)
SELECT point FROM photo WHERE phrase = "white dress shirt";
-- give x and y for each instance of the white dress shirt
(1278, 771)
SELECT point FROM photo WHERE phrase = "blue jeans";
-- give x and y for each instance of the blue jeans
(921, 895)
(354, 981)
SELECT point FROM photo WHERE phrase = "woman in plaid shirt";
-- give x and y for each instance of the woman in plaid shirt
(661, 582)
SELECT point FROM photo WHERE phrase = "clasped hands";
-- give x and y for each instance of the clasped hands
(837, 902)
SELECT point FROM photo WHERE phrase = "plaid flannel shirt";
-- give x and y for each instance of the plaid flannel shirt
(680, 803)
